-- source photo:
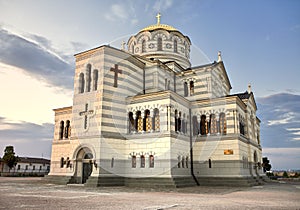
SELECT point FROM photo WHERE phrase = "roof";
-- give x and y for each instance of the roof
(245, 96)
(159, 26)
(202, 66)
(33, 160)
(242, 96)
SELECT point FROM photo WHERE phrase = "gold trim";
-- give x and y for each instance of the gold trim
(158, 26)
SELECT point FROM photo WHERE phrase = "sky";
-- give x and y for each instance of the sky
(259, 41)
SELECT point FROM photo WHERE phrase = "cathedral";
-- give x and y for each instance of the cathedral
(142, 116)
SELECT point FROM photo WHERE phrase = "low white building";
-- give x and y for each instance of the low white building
(26, 166)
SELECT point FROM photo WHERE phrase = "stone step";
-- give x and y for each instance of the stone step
(104, 181)
(60, 180)
(160, 182)
(225, 181)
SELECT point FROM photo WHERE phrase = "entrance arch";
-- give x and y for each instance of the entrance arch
(87, 166)
(84, 164)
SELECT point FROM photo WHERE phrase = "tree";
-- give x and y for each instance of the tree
(266, 164)
(9, 157)
(285, 174)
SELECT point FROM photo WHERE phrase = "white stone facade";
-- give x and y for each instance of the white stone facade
(146, 113)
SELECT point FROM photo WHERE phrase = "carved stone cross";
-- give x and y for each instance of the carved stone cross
(86, 113)
(117, 71)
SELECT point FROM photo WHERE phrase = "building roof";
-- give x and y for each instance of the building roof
(33, 160)
(242, 96)
(159, 26)
(246, 96)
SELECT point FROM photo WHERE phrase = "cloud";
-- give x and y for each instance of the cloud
(295, 132)
(160, 6)
(117, 12)
(284, 119)
(35, 57)
(283, 158)
(280, 118)
(28, 139)
(295, 27)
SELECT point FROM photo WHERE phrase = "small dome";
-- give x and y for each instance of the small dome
(159, 26)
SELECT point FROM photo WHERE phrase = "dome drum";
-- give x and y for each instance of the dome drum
(163, 45)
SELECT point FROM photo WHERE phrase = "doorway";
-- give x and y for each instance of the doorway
(87, 167)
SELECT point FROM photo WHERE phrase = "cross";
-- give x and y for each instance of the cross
(86, 113)
(123, 45)
(158, 18)
(117, 71)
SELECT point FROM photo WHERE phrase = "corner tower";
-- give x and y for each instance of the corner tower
(162, 42)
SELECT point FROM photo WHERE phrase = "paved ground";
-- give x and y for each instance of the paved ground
(30, 193)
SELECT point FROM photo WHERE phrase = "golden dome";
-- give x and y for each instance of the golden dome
(158, 26)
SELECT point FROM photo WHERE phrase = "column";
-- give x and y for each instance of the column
(207, 124)
(169, 117)
(235, 121)
(218, 124)
(199, 125)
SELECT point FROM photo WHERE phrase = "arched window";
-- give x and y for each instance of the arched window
(142, 161)
(61, 129)
(88, 77)
(133, 161)
(187, 161)
(62, 162)
(179, 123)
(139, 121)
(67, 129)
(112, 162)
(95, 79)
(131, 127)
(203, 127)
(176, 120)
(159, 44)
(132, 49)
(143, 46)
(68, 162)
(175, 45)
(81, 83)
(255, 157)
(183, 126)
(242, 126)
(209, 163)
(178, 161)
(166, 84)
(151, 161)
(156, 120)
(212, 124)
(222, 121)
(185, 88)
(182, 161)
(191, 88)
(147, 124)
(195, 126)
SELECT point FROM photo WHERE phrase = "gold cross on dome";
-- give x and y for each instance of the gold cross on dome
(158, 18)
